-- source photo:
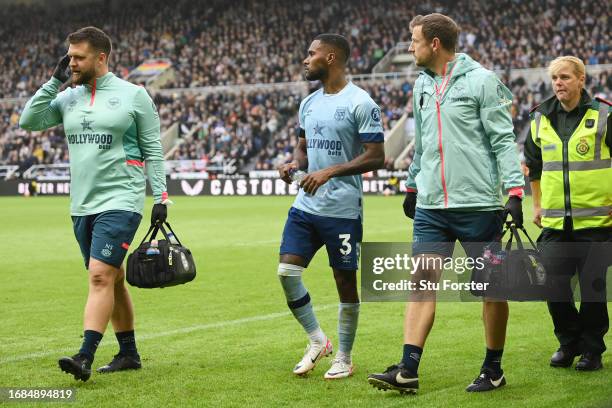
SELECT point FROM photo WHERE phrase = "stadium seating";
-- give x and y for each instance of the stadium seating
(262, 42)
(265, 41)
(224, 126)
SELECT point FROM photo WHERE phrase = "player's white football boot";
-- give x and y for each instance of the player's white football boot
(314, 354)
(339, 369)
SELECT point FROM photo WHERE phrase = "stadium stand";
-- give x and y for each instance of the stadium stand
(242, 126)
(211, 44)
(262, 42)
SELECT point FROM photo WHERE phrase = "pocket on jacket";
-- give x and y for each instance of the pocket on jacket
(469, 176)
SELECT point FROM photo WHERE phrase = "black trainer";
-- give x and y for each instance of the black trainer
(396, 378)
(488, 380)
(78, 365)
(589, 362)
(121, 362)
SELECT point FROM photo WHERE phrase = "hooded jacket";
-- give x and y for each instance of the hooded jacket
(465, 150)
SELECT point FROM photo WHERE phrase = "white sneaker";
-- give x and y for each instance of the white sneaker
(339, 369)
(314, 354)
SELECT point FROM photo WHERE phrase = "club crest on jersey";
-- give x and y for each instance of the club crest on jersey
(340, 113)
(375, 114)
(113, 103)
(72, 105)
(582, 148)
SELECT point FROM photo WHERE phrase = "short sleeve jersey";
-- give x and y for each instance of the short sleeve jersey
(336, 126)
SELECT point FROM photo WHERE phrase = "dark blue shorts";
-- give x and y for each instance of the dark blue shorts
(106, 236)
(305, 233)
(435, 231)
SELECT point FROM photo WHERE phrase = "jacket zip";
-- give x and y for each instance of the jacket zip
(439, 95)
(566, 184)
(93, 93)
(441, 153)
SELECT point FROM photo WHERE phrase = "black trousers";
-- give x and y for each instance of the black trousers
(587, 253)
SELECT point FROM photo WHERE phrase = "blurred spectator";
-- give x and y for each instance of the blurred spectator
(259, 128)
(266, 41)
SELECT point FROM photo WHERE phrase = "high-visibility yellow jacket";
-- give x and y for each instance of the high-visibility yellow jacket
(576, 177)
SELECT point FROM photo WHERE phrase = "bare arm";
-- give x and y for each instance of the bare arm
(536, 194)
(300, 160)
(299, 154)
(373, 158)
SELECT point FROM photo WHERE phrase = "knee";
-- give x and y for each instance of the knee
(286, 270)
(291, 280)
(100, 280)
(102, 276)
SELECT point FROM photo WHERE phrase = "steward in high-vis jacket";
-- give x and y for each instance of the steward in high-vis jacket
(568, 155)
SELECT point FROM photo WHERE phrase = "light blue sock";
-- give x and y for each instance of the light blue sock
(298, 301)
(348, 316)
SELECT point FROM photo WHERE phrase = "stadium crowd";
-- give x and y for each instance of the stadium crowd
(253, 126)
(252, 42)
(265, 41)
(225, 126)
(392, 97)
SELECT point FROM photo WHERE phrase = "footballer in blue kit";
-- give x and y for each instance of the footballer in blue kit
(341, 137)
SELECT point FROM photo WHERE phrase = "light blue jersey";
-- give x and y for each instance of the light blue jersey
(336, 127)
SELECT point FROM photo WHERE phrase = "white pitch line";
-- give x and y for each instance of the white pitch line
(190, 329)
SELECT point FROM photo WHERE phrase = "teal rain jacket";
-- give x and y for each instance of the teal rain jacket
(465, 149)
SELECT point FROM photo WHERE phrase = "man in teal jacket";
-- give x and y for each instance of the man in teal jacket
(112, 128)
(465, 156)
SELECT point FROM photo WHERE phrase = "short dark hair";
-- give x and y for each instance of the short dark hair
(440, 26)
(338, 42)
(97, 38)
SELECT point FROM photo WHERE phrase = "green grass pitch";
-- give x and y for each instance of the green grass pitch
(227, 339)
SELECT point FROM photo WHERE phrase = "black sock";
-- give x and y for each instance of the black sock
(412, 357)
(91, 340)
(127, 343)
(493, 360)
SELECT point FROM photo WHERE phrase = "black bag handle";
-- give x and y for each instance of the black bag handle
(173, 233)
(514, 232)
(154, 229)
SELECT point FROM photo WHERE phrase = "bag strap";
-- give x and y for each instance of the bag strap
(515, 233)
(509, 243)
(519, 243)
(173, 233)
(529, 238)
(153, 228)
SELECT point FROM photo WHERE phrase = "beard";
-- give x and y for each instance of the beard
(315, 75)
(424, 61)
(84, 77)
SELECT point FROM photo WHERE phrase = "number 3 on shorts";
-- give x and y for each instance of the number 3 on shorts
(346, 245)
